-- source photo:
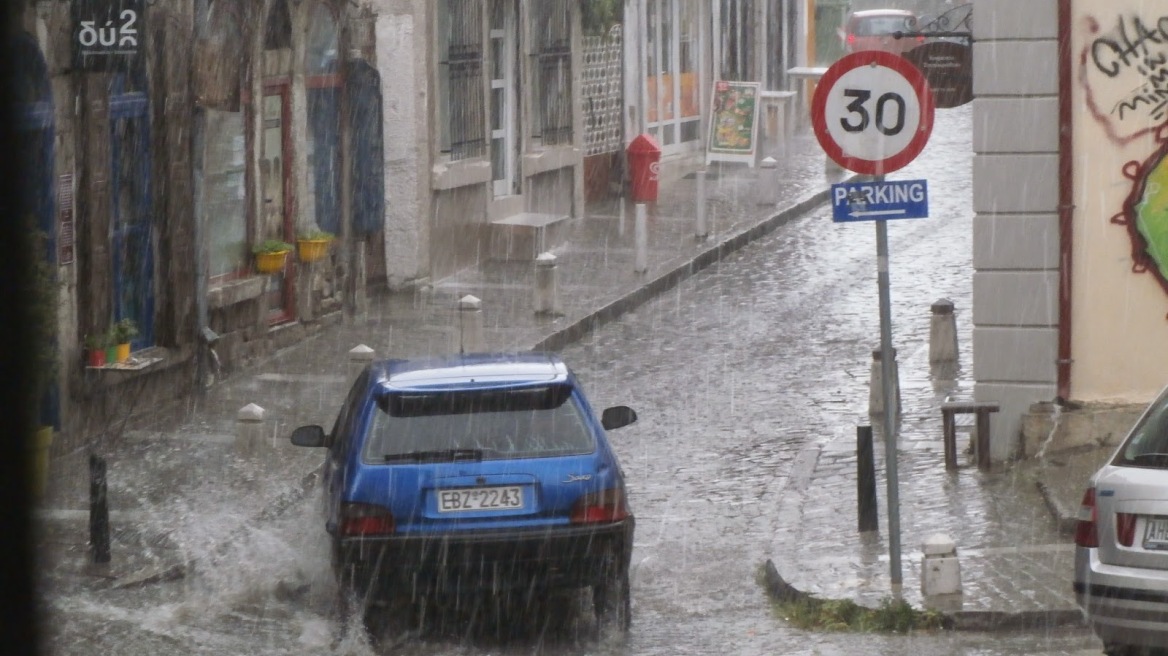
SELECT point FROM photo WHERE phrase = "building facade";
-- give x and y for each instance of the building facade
(482, 124)
(167, 139)
(676, 50)
(1070, 292)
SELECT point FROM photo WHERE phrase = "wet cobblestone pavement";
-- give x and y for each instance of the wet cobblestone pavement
(749, 377)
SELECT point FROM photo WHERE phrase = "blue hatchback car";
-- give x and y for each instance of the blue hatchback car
(471, 474)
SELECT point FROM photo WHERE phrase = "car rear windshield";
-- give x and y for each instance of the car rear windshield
(1147, 446)
(879, 25)
(488, 424)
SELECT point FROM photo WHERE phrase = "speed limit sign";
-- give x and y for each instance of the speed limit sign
(872, 112)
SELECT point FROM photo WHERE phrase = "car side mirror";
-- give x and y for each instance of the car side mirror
(617, 417)
(308, 436)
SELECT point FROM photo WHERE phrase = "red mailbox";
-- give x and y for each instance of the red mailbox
(644, 166)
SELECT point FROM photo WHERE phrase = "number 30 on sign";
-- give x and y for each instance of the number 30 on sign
(872, 112)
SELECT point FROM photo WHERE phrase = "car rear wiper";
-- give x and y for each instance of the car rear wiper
(444, 455)
(1151, 459)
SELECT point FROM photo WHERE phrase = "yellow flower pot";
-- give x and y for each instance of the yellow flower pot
(270, 262)
(311, 250)
(123, 352)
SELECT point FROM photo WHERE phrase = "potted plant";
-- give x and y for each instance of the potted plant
(124, 332)
(270, 255)
(313, 245)
(95, 350)
(111, 344)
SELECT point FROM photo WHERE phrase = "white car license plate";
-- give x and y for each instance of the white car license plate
(480, 498)
(1156, 534)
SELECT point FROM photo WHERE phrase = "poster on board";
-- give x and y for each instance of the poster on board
(733, 122)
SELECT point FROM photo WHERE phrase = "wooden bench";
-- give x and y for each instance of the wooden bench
(524, 236)
(982, 409)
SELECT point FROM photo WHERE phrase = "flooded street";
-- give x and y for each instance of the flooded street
(736, 375)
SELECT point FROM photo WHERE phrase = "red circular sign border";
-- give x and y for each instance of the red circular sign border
(916, 80)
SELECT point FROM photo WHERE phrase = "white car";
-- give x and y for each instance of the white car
(1121, 555)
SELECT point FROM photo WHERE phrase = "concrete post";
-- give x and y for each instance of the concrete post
(701, 231)
(940, 569)
(622, 212)
(547, 293)
(641, 231)
(470, 325)
(943, 333)
(359, 357)
(875, 388)
(767, 187)
(249, 430)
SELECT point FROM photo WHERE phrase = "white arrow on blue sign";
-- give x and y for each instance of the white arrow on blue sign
(878, 201)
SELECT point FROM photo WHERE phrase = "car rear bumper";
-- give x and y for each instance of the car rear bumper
(1125, 605)
(453, 563)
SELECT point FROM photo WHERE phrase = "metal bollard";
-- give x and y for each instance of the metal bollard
(866, 480)
(767, 187)
(359, 357)
(99, 529)
(642, 237)
(701, 231)
(547, 293)
(942, 333)
(470, 325)
(249, 430)
(875, 386)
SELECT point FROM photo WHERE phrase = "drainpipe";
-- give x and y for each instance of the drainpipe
(1066, 192)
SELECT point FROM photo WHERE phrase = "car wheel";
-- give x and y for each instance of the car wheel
(611, 598)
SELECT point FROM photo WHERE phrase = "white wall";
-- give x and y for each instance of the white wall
(1015, 196)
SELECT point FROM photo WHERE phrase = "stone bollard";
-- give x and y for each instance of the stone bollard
(470, 325)
(875, 386)
(943, 333)
(359, 357)
(767, 187)
(641, 232)
(547, 290)
(701, 230)
(249, 430)
(940, 569)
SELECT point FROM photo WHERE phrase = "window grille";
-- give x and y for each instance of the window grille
(461, 79)
(552, 36)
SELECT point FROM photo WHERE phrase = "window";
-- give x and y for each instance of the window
(520, 423)
(552, 71)
(738, 20)
(461, 99)
(323, 146)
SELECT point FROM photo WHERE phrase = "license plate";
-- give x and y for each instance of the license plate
(480, 498)
(1156, 534)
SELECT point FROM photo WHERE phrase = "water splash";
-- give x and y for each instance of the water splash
(1056, 418)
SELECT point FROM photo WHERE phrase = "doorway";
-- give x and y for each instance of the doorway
(504, 40)
(275, 186)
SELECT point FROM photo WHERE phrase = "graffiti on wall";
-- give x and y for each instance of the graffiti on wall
(1145, 211)
(1124, 72)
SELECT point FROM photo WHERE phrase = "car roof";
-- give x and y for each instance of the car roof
(469, 371)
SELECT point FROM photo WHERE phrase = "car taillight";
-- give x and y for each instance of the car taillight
(851, 39)
(358, 519)
(1125, 528)
(920, 39)
(1086, 534)
(600, 507)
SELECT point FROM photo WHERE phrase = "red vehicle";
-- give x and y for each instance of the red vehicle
(875, 29)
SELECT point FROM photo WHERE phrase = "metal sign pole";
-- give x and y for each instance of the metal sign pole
(886, 365)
